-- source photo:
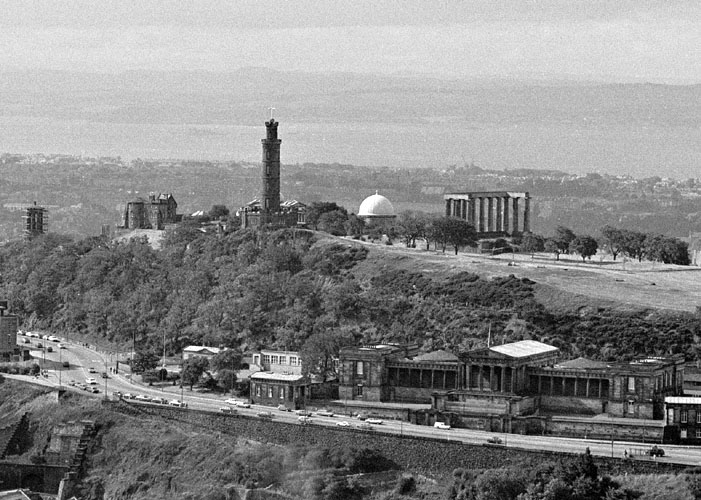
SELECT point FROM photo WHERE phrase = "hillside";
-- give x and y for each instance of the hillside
(564, 285)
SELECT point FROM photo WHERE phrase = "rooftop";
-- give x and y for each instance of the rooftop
(524, 348)
(280, 377)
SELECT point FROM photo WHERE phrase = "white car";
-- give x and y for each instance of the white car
(141, 397)
(441, 425)
(343, 423)
(90, 381)
(61, 346)
(325, 413)
(243, 404)
(376, 421)
(178, 403)
(232, 402)
(53, 338)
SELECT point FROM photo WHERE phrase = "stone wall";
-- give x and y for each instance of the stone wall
(571, 405)
(415, 453)
(40, 478)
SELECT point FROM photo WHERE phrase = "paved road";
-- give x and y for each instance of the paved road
(82, 358)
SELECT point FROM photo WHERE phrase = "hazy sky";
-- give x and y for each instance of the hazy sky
(615, 40)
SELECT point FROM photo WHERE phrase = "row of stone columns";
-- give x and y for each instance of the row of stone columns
(476, 381)
(491, 213)
(593, 388)
(438, 378)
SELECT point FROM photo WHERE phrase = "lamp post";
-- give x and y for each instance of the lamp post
(164, 348)
(60, 368)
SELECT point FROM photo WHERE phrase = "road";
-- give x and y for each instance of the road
(81, 359)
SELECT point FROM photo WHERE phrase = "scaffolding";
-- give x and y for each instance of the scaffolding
(36, 220)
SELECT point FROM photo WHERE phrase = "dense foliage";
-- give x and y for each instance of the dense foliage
(288, 289)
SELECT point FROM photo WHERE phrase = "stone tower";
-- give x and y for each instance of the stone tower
(270, 196)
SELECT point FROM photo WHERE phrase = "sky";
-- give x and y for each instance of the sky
(612, 40)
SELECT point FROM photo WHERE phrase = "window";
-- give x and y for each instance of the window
(698, 416)
(273, 359)
(266, 359)
(283, 360)
(359, 368)
(684, 416)
(631, 408)
(631, 384)
(258, 391)
(256, 359)
(281, 393)
(270, 391)
(698, 433)
(293, 360)
(359, 390)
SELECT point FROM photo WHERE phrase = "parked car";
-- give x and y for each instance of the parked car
(243, 404)
(232, 402)
(142, 397)
(655, 451)
(62, 346)
(227, 409)
(265, 415)
(304, 420)
(91, 370)
(325, 413)
(27, 341)
(104, 375)
(40, 345)
(94, 390)
(178, 403)
(128, 395)
(81, 386)
(343, 423)
(303, 413)
(376, 421)
(66, 364)
(117, 394)
(283, 408)
(160, 401)
(441, 425)
(53, 338)
(91, 381)
(364, 426)
(494, 440)
(49, 349)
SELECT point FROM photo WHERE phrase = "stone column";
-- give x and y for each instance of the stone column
(480, 221)
(588, 379)
(468, 369)
(471, 211)
(491, 377)
(527, 214)
(448, 205)
(480, 377)
(515, 217)
(599, 388)
(505, 223)
(552, 384)
(503, 379)
(499, 214)
(490, 214)
(576, 379)
(540, 385)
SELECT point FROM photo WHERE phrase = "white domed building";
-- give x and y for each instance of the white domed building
(376, 208)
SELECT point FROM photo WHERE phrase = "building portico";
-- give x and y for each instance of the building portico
(492, 213)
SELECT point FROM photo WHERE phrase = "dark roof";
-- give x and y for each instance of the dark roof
(437, 356)
(582, 363)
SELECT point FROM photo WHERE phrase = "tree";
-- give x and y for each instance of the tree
(218, 212)
(532, 243)
(333, 222)
(321, 349)
(410, 226)
(354, 225)
(551, 246)
(563, 237)
(320, 207)
(612, 240)
(225, 364)
(667, 250)
(453, 231)
(585, 245)
(193, 368)
(633, 244)
(144, 361)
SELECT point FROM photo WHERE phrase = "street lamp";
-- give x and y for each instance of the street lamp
(60, 368)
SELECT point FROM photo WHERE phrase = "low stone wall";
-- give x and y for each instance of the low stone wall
(39, 478)
(415, 453)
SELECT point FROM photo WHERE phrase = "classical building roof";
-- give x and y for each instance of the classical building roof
(523, 348)
(440, 356)
(683, 400)
(201, 349)
(582, 363)
(376, 206)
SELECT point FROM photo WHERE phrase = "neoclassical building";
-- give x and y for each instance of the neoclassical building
(492, 213)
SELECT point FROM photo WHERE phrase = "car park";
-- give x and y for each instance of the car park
(325, 413)
(90, 381)
(375, 421)
(343, 423)
(441, 425)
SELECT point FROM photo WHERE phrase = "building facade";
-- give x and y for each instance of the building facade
(280, 381)
(36, 221)
(492, 213)
(152, 213)
(682, 420)
(8, 334)
(194, 351)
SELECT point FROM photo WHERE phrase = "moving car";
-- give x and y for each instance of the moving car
(655, 452)
(62, 346)
(303, 413)
(160, 401)
(304, 420)
(495, 440)
(90, 381)
(128, 395)
(49, 349)
(343, 423)
(265, 415)
(441, 425)
(178, 403)
(53, 338)
(232, 402)
(94, 390)
(142, 397)
(325, 413)
(91, 370)
(66, 364)
(364, 426)
(283, 408)
(104, 375)
(243, 404)
(227, 409)
(376, 421)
